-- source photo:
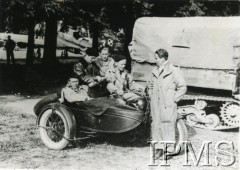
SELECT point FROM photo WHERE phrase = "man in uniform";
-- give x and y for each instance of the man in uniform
(103, 61)
(120, 82)
(10, 45)
(86, 70)
(166, 89)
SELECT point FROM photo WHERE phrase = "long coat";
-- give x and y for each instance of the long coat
(168, 88)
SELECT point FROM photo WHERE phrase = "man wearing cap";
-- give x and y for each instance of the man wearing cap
(166, 89)
(10, 45)
(86, 70)
(73, 92)
(121, 82)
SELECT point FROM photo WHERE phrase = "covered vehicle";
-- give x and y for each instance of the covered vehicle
(61, 123)
(206, 49)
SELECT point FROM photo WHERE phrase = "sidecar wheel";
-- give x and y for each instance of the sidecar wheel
(53, 128)
(181, 134)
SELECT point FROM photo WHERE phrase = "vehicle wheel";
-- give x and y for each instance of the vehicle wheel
(213, 121)
(53, 128)
(181, 134)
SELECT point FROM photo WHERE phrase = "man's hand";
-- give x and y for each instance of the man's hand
(150, 86)
(88, 98)
(97, 79)
(120, 92)
(92, 84)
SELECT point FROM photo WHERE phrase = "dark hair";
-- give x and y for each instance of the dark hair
(73, 75)
(119, 57)
(162, 53)
(91, 52)
(103, 47)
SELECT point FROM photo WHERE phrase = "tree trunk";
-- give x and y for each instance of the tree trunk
(30, 48)
(95, 31)
(50, 42)
(1, 17)
(128, 33)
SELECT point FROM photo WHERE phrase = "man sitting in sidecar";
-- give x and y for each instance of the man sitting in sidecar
(73, 92)
(120, 82)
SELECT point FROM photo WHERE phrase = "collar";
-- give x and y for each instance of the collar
(167, 69)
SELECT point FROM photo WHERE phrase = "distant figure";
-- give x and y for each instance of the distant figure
(38, 53)
(10, 45)
(64, 53)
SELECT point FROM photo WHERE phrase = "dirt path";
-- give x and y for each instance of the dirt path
(17, 103)
(21, 146)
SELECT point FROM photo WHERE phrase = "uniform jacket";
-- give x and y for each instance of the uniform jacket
(121, 81)
(104, 66)
(168, 88)
(85, 71)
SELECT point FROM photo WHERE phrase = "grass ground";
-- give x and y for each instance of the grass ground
(21, 147)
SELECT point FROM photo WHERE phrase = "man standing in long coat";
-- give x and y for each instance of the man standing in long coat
(166, 89)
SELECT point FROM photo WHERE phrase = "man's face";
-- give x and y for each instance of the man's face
(73, 82)
(88, 59)
(104, 54)
(159, 61)
(121, 65)
(9, 37)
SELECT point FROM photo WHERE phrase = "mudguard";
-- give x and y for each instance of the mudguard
(53, 98)
(71, 121)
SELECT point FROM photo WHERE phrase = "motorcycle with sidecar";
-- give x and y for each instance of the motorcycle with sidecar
(62, 122)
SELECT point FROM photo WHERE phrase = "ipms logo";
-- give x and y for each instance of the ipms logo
(222, 149)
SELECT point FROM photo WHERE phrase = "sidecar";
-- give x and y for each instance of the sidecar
(61, 123)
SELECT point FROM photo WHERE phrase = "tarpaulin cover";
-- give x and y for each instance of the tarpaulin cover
(202, 42)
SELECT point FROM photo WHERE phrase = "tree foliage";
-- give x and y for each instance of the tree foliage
(100, 15)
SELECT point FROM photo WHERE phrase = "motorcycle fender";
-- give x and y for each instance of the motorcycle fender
(66, 112)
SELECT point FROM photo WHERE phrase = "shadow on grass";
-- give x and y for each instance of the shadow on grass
(135, 138)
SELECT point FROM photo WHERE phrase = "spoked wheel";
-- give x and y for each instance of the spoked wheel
(54, 129)
(181, 134)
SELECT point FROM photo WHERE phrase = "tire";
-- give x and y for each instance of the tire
(181, 134)
(54, 139)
